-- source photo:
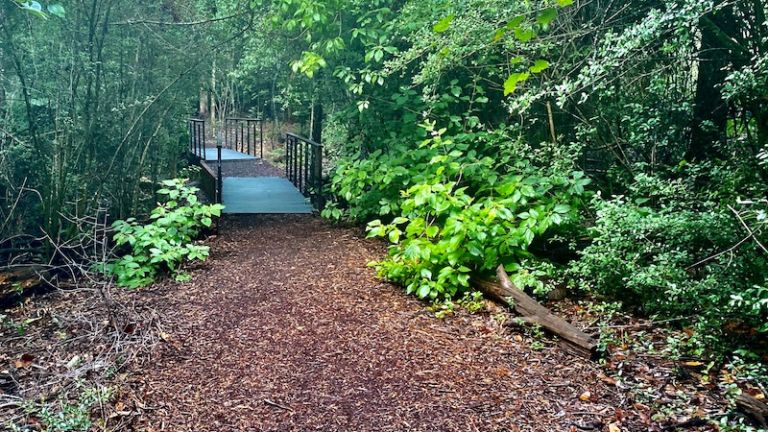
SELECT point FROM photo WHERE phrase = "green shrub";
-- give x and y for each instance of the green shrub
(167, 241)
(468, 214)
(657, 251)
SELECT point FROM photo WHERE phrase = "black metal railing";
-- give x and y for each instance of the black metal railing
(245, 135)
(304, 167)
(197, 137)
(219, 177)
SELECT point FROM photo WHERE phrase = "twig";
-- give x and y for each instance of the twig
(749, 230)
(167, 23)
(750, 235)
(277, 405)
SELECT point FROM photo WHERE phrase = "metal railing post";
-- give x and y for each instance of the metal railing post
(219, 177)
(248, 129)
(318, 174)
(261, 136)
(287, 155)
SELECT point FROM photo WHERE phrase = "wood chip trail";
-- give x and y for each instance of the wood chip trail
(285, 328)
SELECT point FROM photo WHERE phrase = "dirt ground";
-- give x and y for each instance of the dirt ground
(286, 328)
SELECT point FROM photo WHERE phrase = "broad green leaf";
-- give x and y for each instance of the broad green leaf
(524, 35)
(57, 10)
(510, 85)
(539, 66)
(547, 16)
(515, 22)
(499, 34)
(444, 24)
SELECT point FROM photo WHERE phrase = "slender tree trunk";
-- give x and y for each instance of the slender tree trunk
(710, 112)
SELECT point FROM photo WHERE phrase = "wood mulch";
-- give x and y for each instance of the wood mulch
(286, 328)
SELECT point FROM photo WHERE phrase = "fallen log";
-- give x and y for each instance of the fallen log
(16, 282)
(753, 407)
(503, 290)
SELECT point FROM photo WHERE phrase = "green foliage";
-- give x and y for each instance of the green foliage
(95, 138)
(468, 214)
(660, 250)
(65, 416)
(166, 242)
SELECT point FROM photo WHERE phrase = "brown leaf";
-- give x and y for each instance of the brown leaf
(129, 328)
(606, 379)
(25, 361)
(585, 396)
(613, 427)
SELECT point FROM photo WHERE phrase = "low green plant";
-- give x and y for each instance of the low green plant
(167, 241)
(537, 277)
(534, 331)
(67, 416)
(19, 328)
(666, 252)
(472, 302)
(447, 228)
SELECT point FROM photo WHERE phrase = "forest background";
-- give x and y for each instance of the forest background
(613, 149)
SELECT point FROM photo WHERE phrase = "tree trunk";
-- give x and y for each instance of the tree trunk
(710, 112)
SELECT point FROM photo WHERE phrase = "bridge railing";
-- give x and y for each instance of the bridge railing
(304, 167)
(245, 135)
(197, 137)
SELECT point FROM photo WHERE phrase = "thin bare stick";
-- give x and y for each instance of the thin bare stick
(749, 230)
(167, 23)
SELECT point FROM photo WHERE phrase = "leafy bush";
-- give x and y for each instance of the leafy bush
(167, 241)
(661, 251)
(455, 212)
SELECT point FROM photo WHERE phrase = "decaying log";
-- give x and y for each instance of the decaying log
(753, 407)
(14, 283)
(503, 290)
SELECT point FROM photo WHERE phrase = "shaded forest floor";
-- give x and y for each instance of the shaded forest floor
(286, 328)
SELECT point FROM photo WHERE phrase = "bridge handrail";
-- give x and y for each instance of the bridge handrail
(255, 119)
(197, 135)
(245, 139)
(301, 138)
(304, 167)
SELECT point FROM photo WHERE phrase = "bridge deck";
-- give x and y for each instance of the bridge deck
(262, 195)
(211, 154)
(260, 191)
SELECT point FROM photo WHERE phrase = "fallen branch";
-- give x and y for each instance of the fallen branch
(753, 407)
(503, 290)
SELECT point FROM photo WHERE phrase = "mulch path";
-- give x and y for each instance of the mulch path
(286, 328)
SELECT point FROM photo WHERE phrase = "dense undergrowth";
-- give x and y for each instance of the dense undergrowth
(167, 241)
(614, 148)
